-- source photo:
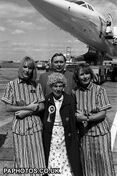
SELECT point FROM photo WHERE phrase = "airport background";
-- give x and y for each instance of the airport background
(23, 31)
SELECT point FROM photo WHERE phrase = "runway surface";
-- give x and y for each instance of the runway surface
(6, 146)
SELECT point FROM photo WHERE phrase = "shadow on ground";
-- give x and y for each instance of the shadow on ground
(2, 139)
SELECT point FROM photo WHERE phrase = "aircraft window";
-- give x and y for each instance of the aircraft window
(90, 8)
(79, 2)
(84, 5)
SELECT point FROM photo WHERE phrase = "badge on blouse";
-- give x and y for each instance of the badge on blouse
(33, 91)
(51, 110)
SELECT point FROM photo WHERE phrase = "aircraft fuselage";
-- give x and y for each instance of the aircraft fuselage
(85, 24)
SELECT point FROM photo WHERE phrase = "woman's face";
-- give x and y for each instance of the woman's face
(84, 77)
(27, 70)
(57, 89)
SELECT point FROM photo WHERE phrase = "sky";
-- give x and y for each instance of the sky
(25, 32)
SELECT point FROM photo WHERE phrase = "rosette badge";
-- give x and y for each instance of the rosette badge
(51, 110)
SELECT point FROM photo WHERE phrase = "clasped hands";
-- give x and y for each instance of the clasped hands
(29, 109)
(80, 116)
(34, 106)
(84, 116)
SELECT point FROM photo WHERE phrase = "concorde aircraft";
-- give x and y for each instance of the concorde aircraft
(81, 20)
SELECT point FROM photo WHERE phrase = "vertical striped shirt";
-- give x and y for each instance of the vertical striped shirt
(20, 93)
(93, 98)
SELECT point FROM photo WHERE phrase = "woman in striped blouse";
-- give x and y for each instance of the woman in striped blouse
(91, 105)
(24, 97)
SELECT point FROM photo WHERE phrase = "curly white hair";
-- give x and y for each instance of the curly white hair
(55, 78)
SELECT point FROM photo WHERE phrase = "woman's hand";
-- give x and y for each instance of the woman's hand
(80, 116)
(22, 114)
(34, 106)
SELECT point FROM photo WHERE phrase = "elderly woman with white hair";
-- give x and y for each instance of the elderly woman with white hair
(24, 98)
(61, 143)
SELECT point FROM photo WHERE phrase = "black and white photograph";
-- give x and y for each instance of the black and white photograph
(58, 88)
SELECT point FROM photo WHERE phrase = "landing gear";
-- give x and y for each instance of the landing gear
(114, 73)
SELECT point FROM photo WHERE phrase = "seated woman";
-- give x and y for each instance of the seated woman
(60, 138)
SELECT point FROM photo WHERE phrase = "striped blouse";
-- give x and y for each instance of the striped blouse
(20, 93)
(93, 98)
